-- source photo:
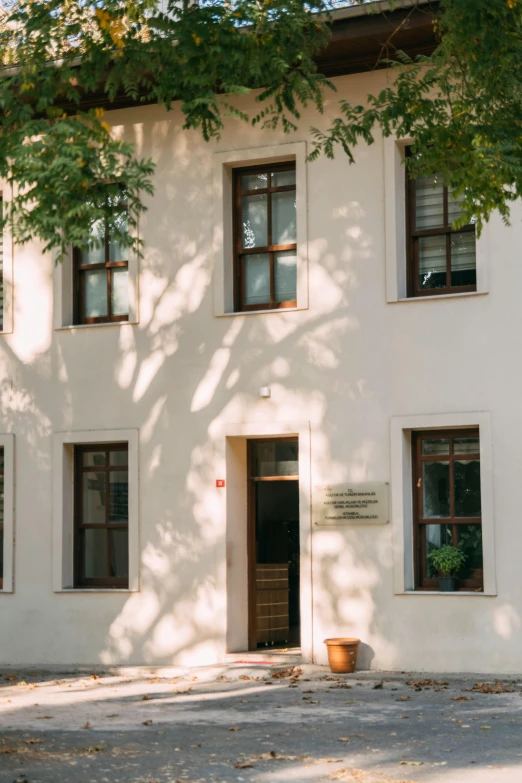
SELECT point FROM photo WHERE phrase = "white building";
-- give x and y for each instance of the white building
(322, 339)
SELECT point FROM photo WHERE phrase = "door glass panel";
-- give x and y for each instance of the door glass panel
(95, 293)
(276, 458)
(257, 278)
(93, 498)
(463, 260)
(119, 496)
(119, 291)
(1, 554)
(429, 203)
(254, 181)
(254, 221)
(435, 490)
(436, 536)
(466, 446)
(467, 488)
(435, 446)
(432, 262)
(285, 273)
(281, 178)
(119, 553)
(283, 218)
(94, 551)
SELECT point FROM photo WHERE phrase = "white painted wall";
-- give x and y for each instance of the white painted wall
(341, 370)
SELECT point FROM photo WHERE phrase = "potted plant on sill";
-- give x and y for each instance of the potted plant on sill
(447, 560)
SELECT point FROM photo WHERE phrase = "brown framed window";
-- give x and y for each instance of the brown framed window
(265, 228)
(101, 515)
(1, 518)
(447, 503)
(441, 260)
(102, 271)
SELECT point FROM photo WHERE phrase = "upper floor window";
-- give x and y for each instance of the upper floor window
(102, 515)
(447, 503)
(101, 271)
(441, 260)
(265, 229)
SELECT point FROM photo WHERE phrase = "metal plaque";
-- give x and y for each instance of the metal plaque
(350, 504)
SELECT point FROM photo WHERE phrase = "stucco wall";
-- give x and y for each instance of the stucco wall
(339, 370)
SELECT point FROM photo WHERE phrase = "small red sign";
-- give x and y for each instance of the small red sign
(220, 482)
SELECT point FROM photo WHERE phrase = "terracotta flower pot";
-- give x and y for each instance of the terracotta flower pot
(342, 654)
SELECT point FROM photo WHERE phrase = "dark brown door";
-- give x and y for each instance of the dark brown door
(273, 518)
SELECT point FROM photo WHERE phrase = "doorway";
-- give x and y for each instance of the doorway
(273, 544)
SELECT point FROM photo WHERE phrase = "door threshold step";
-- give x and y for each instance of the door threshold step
(266, 657)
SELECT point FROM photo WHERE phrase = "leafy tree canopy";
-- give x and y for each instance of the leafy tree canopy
(60, 57)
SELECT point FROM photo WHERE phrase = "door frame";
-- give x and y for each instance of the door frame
(251, 530)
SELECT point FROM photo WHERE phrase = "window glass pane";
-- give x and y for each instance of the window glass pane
(463, 261)
(467, 488)
(93, 498)
(280, 178)
(470, 541)
(95, 458)
(285, 273)
(276, 458)
(432, 262)
(254, 221)
(454, 208)
(95, 293)
(118, 496)
(119, 553)
(435, 446)
(1, 460)
(94, 553)
(119, 291)
(1, 500)
(283, 218)
(1, 553)
(466, 446)
(257, 278)
(436, 536)
(435, 490)
(254, 181)
(116, 251)
(95, 255)
(119, 457)
(429, 203)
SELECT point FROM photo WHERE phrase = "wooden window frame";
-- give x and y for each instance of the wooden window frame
(419, 542)
(240, 252)
(79, 283)
(79, 524)
(412, 243)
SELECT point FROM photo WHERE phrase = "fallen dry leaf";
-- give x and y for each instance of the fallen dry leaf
(427, 684)
(493, 687)
(344, 739)
(147, 723)
(87, 725)
(33, 741)
(403, 698)
(243, 765)
(461, 698)
(485, 727)
(146, 698)
(412, 763)
(234, 728)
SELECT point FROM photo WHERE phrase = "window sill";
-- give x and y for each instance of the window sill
(260, 312)
(73, 327)
(437, 297)
(103, 590)
(458, 593)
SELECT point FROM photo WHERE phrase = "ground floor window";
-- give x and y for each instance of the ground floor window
(101, 515)
(447, 504)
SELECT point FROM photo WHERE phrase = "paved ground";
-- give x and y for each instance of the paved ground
(257, 724)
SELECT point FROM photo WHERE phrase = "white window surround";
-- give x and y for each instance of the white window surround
(395, 231)
(402, 495)
(7, 443)
(223, 239)
(63, 520)
(7, 327)
(64, 294)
